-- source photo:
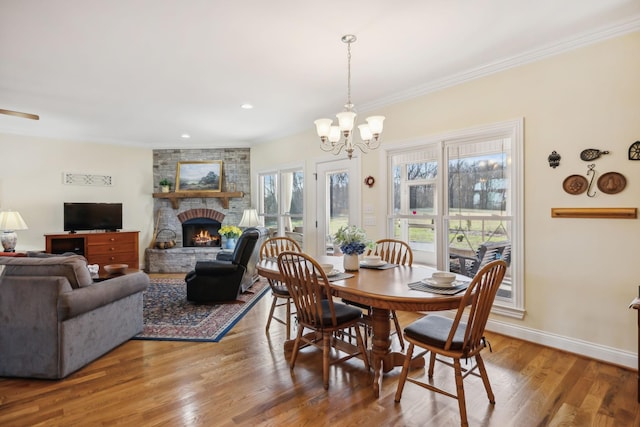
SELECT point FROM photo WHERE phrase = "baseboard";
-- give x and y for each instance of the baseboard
(571, 345)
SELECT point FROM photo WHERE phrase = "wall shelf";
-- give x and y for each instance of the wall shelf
(613, 213)
(174, 197)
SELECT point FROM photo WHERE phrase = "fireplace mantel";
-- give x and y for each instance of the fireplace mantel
(175, 196)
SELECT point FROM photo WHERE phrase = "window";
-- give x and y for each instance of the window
(457, 201)
(281, 202)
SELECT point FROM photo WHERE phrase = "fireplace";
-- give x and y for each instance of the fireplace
(200, 232)
(200, 227)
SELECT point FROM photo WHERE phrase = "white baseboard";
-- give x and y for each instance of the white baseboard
(571, 345)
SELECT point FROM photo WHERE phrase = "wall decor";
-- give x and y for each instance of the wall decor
(591, 171)
(612, 183)
(199, 176)
(575, 184)
(613, 213)
(634, 151)
(554, 159)
(69, 178)
(369, 181)
(592, 154)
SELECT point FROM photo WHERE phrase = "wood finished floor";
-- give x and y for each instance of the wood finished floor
(245, 380)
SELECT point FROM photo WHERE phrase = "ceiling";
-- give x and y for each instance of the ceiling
(144, 72)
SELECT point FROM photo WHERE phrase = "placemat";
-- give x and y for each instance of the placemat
(340, 276)
(420, 286)
(378, 267)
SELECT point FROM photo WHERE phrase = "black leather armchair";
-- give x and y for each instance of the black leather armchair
(251, 275)
(213, 281)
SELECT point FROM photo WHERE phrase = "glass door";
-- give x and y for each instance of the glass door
(338, 203)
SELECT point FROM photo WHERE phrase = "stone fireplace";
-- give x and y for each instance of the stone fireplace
(190, 217)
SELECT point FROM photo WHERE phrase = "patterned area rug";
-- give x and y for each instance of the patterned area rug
(169, 316)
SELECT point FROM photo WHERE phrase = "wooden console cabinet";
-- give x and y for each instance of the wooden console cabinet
(119, 247)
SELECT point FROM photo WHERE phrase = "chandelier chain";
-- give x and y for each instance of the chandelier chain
(349, 104)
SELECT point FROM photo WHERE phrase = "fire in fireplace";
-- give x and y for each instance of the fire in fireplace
(200, 232)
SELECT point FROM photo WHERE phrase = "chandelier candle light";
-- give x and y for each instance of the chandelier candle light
(331, 136)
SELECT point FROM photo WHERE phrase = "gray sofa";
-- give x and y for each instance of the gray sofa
(55, 319)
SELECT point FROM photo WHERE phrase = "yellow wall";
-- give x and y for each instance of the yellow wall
(580, 274)
(31, 183)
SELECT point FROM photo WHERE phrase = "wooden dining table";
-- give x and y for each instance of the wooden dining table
(383, 290)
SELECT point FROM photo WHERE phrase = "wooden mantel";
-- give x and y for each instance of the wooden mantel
(175, 196)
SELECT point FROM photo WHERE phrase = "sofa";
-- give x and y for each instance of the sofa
(55, 319)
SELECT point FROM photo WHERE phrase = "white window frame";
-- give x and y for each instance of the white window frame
(281, 215)
(513, 129)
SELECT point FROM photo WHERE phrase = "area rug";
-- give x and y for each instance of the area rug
(168, 316)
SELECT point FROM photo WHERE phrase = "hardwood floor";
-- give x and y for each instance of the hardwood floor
(245, 380)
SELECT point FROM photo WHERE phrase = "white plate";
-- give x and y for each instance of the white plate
(333, 273)
(374, 264)
(429, 281)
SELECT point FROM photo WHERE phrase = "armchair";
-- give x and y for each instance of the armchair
(251, 275)
(213, 281)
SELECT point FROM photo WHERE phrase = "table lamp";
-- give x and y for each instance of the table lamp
(249, 218)
(9, 222)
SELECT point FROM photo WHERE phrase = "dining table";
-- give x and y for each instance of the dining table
(383, 288)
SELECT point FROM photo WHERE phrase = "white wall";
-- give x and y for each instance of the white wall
(580, 274)
(31, 183)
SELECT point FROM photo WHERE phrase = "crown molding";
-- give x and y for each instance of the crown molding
(585, 39)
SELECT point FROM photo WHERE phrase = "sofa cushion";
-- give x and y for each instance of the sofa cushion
(73, 267)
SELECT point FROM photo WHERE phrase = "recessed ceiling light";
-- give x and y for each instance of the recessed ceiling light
(185, 136)
(246, 106)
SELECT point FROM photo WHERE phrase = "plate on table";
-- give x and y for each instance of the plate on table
(373, 264)
(429, 281)
(333, 273)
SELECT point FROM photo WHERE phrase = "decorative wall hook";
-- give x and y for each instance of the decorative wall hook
(591, 172)
(554, 159)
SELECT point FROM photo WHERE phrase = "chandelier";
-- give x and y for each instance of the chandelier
(336, 138)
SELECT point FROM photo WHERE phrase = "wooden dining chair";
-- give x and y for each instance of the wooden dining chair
(394, 252)
(315, 309)
(270, 249)
(455, 339)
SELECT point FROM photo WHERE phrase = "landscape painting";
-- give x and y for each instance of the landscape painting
(199, 176)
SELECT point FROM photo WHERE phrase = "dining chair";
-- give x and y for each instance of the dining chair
(455, 339)
(270, 249)
(315, 309)
(392, 251)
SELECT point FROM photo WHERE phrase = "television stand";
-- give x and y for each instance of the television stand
(100, 248)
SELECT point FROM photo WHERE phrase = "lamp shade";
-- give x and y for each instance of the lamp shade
(249, 218)
(11, 220)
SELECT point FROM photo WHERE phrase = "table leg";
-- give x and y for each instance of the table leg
(381, 345)
(384, 359)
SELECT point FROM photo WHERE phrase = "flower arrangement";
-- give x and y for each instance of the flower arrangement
(230, 231)
(351, 239)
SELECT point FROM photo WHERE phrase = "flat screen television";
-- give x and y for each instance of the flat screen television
(92, 216)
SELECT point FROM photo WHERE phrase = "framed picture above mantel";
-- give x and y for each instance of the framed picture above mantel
(199, 176)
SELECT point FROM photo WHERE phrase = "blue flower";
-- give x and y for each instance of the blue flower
(351, 239)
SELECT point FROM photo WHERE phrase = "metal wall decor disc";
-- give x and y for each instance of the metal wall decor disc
(575, 184)
(612, 183)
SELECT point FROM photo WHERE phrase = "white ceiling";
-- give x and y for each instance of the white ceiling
(143, 72)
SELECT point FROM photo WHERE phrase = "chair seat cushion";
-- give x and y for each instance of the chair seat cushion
(279, 289)
(344, 313)
(434, 330)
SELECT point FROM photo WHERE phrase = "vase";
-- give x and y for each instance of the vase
(351, 262)
(165, 188)
(230, 243)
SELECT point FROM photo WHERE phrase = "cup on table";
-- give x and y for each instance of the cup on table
(327, 268)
